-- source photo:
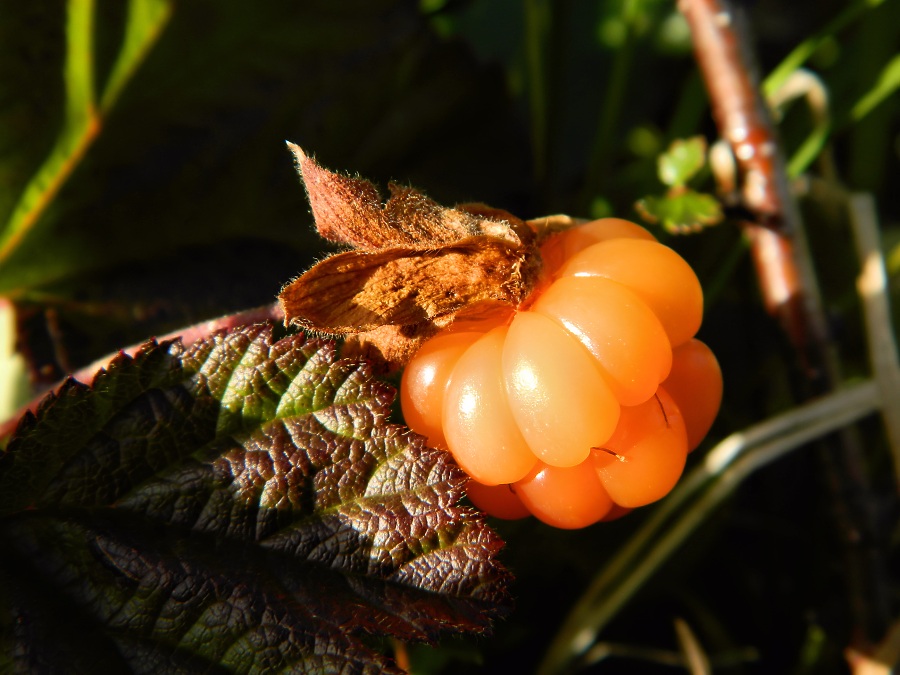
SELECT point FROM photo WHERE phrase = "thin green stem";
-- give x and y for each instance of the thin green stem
(807, 85)
(690, 504)
(600, 160)
(802, 52)
(887, 84)
(537, 20)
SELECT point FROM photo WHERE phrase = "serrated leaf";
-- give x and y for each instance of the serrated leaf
(682, 160)
(681, 211)
(239, 505)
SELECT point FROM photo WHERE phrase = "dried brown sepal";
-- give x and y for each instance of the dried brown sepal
(547, 226)
(358, 291)
(414, 266)
(350, 211)
(386, 347)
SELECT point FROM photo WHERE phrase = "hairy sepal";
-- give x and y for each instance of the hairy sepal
(414, 264)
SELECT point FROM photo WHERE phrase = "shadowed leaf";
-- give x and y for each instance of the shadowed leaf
(241, 504)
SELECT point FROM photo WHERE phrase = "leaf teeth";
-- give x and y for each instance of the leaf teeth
(176, 527)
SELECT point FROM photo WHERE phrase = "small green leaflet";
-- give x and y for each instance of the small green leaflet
(241, 505)
(681, 210)
(681, 162)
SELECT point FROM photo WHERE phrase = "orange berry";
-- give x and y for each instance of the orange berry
(557, 394)
(646, 455)
(654, 272)
(425, 380)
(618, 329)
(565, 497)
(695, 383)
(478, 425)
(560, 247)
(578, 408)
(499, 501)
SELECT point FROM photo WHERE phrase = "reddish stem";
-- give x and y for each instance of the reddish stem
(188, 336)
(787, 282)
(744, 123)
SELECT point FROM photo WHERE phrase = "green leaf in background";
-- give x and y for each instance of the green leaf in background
(83, 117)
(682, 160)
(886, 85)
(681, 211)
(241, 505)
(189, 165)
(803, 51)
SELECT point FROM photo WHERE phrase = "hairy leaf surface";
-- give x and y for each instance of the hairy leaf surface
(242, 504)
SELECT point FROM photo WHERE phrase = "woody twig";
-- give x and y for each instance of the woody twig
(777, 242)
(787, 282)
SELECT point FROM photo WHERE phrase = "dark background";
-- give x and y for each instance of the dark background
(187, 207)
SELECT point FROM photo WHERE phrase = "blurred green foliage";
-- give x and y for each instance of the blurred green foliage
(184, 205)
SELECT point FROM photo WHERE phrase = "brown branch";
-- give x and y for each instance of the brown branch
(786, 281)
(789, 289)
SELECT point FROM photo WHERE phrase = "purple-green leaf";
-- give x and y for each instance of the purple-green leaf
(242, 505)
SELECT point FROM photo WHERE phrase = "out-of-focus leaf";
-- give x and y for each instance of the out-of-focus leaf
(888, 82)
(61, 329)
(32, 95)
(192, 157)
(682, 160)
(193, 151)
(143, 25)
(239, 505)
(80, 126)
(83, 116)
(681, 211)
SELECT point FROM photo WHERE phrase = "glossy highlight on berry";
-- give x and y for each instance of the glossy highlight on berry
(478, 426)
(557, 394)
(582, 403)
(626, 339)
(654, 272)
